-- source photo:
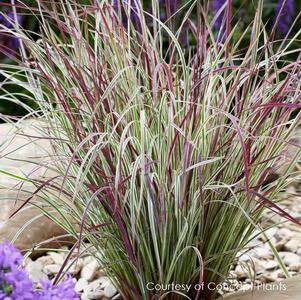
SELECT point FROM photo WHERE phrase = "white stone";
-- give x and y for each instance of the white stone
(284, 233)
(89, 271)
(81, 284)
(289, 289)
(293, 245)
(290, 258)
(34, 270)
(56, 257)
(270, 233)
(45, 260)
(270, 265)
(76, 266)
(296, 267)
(262, 252)
(241, 272)
(51, 269)
(95, 295)
(99, 284)
(110, 291)
(243, 257)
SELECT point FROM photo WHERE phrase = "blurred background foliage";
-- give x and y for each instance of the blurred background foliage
(242, 15)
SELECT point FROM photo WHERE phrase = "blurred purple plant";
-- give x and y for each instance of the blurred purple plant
(9, 43)
(122, 6)
(16, 285)
(14, 281)
(216, 6)
(64, 290)
(286, 16)
(169, 8)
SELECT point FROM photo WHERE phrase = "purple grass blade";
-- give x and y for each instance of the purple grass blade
(279, 210)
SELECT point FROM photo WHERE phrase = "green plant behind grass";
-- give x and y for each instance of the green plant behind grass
(163, 155)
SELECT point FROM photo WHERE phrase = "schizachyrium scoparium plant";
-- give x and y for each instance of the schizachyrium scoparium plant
(163, 154)
(15, 283)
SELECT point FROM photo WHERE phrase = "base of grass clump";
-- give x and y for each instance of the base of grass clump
(163, 152)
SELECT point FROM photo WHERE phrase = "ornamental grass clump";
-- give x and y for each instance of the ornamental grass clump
(164, 155)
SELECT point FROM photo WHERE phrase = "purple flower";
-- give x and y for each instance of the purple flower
(65, 290)
(286, 16)
(171, 5)
(14, 281)
(9, 256)
(9, 41)
(122, 6)
(16, 285)
(216, 6)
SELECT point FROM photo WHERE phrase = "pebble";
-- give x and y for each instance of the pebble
(45, 260)
(89, 271)
(34, 270)
(262, 252)
(81, 284)
(110, 291)
(95, 295)
(242, 272)
(293, 245)
(284, 233)
(57, 258)
(271, 265)
(296, 267)
(51, 269)
(74, 267)
(290, 258)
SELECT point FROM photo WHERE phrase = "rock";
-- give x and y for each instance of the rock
(289, 289)
(56, 257)
(243, 272)
(296, 267)
(81, 284)
(51, 269)
(293, 245)
(34, 270)
(27, 261)
(89, 271)
(110, 291)
(258, 265)
(272, 276)
(99, 284)
(280, 245)
(290, 258)
(95, 295)
(270, 233)
(76, 266)
(243, 257)
(84, 296)
(262, 252)
(100, 273)
(45, 260)
(270, 265)
(24, 156)
(284, 233)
